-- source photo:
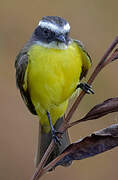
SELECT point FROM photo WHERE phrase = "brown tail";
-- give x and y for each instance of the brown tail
(44, 141)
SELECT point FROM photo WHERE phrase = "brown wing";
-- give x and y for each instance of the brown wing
(87, 62)
(21, 66)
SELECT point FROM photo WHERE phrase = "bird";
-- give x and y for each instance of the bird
(49, 70)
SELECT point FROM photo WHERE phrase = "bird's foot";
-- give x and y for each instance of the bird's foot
(53, 131)
(86, 88)
(55, 136)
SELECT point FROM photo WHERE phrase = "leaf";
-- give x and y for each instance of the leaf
(91, 145)
(102, 109)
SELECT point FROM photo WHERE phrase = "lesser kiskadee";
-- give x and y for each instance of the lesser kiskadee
(48, 71)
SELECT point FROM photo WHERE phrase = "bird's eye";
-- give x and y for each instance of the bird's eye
(66, 34)
(46, 32)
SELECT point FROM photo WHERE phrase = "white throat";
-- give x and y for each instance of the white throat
(53, 44)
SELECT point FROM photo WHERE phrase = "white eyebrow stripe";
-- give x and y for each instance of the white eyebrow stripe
(53, 27)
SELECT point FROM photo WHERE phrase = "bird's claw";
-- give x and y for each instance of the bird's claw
(86, 88)
(55, 136)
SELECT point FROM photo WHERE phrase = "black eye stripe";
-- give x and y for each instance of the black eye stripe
(47, 35)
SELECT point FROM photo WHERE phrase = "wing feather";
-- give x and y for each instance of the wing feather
(21, 68)
(87, 62)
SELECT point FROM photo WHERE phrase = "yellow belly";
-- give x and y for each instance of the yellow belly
(52, 76)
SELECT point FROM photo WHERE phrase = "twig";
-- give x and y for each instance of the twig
(43, 161)
(51, 164)
(39, 171)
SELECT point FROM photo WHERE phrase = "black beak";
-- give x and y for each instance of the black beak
(61, 38)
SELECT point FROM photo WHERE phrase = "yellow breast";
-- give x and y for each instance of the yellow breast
(53, 75)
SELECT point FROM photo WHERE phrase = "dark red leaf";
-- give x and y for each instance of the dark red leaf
(102, 109)
(91, 145)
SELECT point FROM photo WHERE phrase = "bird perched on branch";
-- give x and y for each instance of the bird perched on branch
(49, 69)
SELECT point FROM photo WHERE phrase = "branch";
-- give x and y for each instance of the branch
(98, 111)
(102, 63)
(43, 161)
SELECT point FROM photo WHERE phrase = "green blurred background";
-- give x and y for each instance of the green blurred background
(95, 22)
